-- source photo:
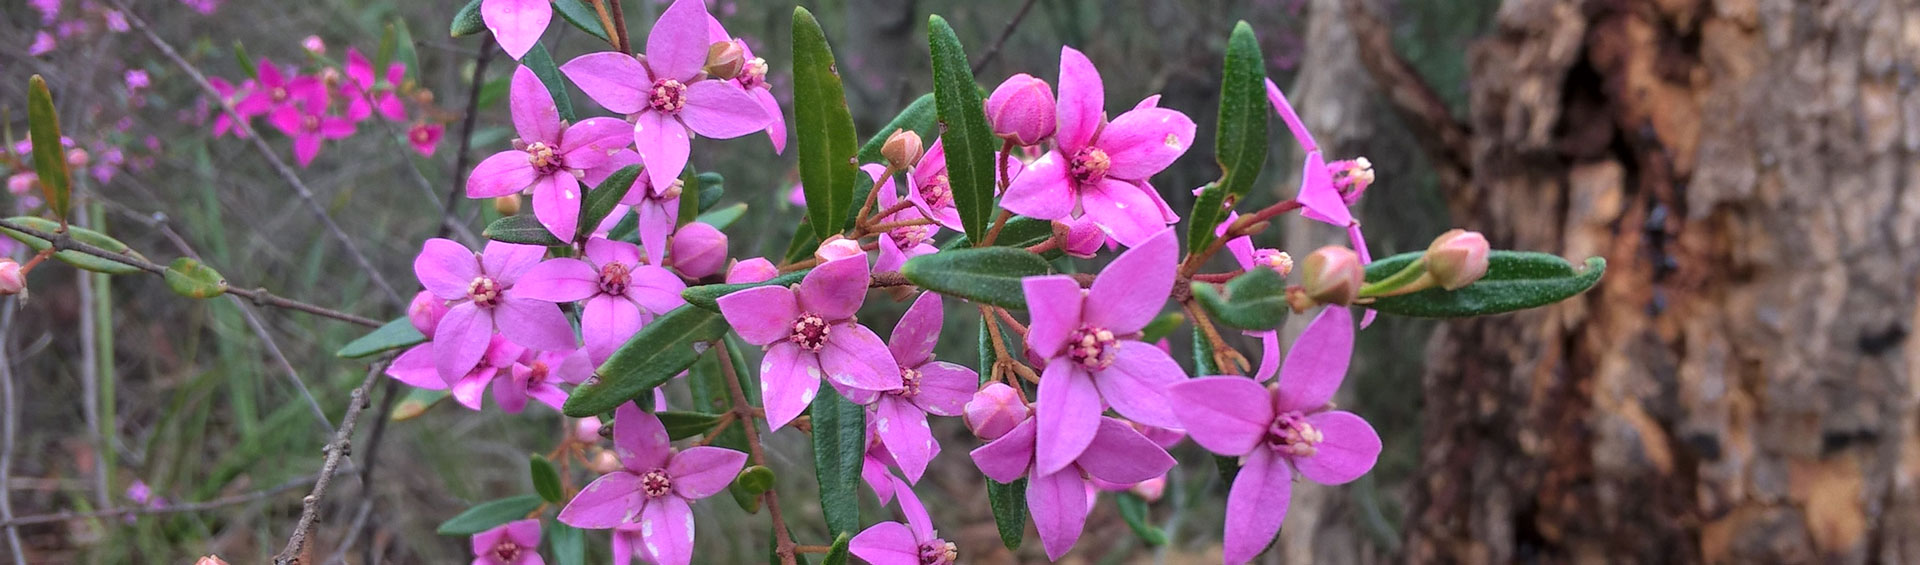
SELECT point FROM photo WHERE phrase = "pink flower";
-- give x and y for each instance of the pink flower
(665, 94)
(927, 387)
(49, 10)
(647, 501)
(1021, 110)
(658, 206)
(516, 24)
(137, 80)
(914, 543)
(361, 85)
(425, 137)
(1089, 340)
(897, 245)
(809, 333)
(994, 410)
(202, 6)
(929, 189)
(512, 543)
(876, 464)
(116, 21)
(43, 43)
(1278, 431)
(752, 270)
(753, 78)
(480, 289)
(230, 94)
(550, 156)
(273, 91)
(1251, 258)
(1098, 168)
(415, 365)
(537, 375)
(308, 127)
(621, 292)
(1060, 500)
(1326, 189)
(495, 370)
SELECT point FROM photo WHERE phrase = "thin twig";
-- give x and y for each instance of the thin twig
(214, 504)
(9, 428)
(783, 543)
(1005, 32)
(461, 159)
(388, 398)
(620, 26)
(336, 451)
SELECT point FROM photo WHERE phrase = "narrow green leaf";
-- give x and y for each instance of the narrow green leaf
(601, 200)
(968, 141)
(658, 352)
(1133, 509)
(988, 275)
(755, 479)
(823, 127)
(1256, 300)
(582, 16)
(569, 543)
(1009, 503)
(706, 296)
(523, 229)
(689, 201)
(712, 187)
(1240, 142)
(187, 277)
(49, 158)
(396, 334)
(839, 443)
(246, 62)
(1161, 326)
(1021, 231)
(417, 402)
(467, 21)
(683, 425)
(803, 244)
(838, 552)
(384, 54)
(1204, 223)
(542, 65)
(1515, 280)
(79, 260)
(546, 479)
(489, 515)
(721, 218)
(403, 49)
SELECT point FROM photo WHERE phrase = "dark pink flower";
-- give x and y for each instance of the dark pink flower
(810, 333)
(621, 293)
(647, 500)
(425, 137)
(272, 91)
(512, 543)
(480, 289)
(308, 125)
(550, 156)
(361, 85)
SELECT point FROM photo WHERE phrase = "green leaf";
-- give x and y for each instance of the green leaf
(803, 244)
(467, 21)
(1240, 143)
(384, 54)
(49, 158)
(712, 187)
(1256, 300)
(582, 16)
(523, 229)
(491, 514)
(659, 351)
(403, 49)
(1515, 280)
(569, 543)
(417, 402)
(246, 62)
(538, 60)
(989, 275)
(689, 202)
(683, 425)
(396, 334)
(601, 200)
(79, 260)
(755, 479)
(191, 279)
(823, 127)
(706, 296)
(968, 141)
(1161, 326)
(721, 218)
(1020, 231)
(1133, 509)
(1203, 223)
(837, 553)
(1009, 503)
(839, 444)
(546, 479)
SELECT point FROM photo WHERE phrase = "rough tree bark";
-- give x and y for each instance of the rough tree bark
(1742, 385)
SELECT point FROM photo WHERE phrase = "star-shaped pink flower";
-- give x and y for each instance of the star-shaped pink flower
(810, 333)
(550, 156)
(913, 543)
(648, 500)
(480, 288)
(361, 85)
(753, 78)
(621, 292)
(1060, 500)
(512, 543)
(308, 124)
(927, 387)
(897, 245)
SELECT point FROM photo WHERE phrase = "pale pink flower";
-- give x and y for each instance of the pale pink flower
(810, 333)
(897, 245)
(647, 500)
(483, 297)
(619, 291)
(927, 387)
(913, 543)
(512, 543)
(538, 375)
(43, 43)
(550, 156)
(753, 78)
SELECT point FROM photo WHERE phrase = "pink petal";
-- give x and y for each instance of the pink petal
(655, 289)
(1256, 505)
(1269, 355)
(524, 532)
(611, 500)
(700, 472)
(549, 395)
(1006, 459)
(762, 314)
(835, 289)
(903, 428)
(507, 261)
(535, 117)
(603, 251)
(663, 145)
(510, 391)
(657, 218)
(916, 513)
(415, 367)
(1059, 504)
(471, 389)
(516, 24)
(1141, 143)
(918, 331)
(556, 203)
(336, 128)
(608, 322)
(306, 146)
(1350, 449)
(945, 388)
(1069, 414)
(615, 80)
(776, 120)
(561, 279)
(460, 340)
(886, 543)
(856, 358)
(1287, 115)
(1226, 415)
(891, 257)
(677, 45)
(625, 541)
(1136, 384)
(1317, 362)
(533, 324)
(639, 439)
(875, 474)
(1119, 454)
(1131, 291)
(1082, 100)
(446, 268)
(1319, 197)
(1054, 305)
(720, 109)
(1122, 209)
(666, 529)
(483, 542)
(789, 377)
(504, 173)
(592, 142)
(1044, 191)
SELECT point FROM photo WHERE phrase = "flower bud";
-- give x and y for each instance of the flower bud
(210, 560)
(994, 411)
(12, 280)
(838, 246)
(1333, 275)
(507, 205)
(1457, 258)
(699, 250)
(313, 44)
(587, 430)
(425, 312)
(1021, 110)
(902, 150)
(23, 183)
(1150, 489)
(1079, 238)
(725, 60)
(605, 462)
(757, 269)
(77, 157)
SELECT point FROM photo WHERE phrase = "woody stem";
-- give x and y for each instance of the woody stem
(783, 543)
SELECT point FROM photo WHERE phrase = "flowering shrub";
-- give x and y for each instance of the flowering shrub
(614, 286)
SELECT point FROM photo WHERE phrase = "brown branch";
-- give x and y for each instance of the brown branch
(1441, 137)
(619, 26)
(1005, 32)
(203, 506)
(783, 543)
(336, 451)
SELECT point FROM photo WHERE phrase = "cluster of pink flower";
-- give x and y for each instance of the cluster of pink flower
(328, 104)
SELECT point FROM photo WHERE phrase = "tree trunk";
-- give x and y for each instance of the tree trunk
(1741, 385)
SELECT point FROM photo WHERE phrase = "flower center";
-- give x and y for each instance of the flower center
(754, 74)
(668, 96)
(655, 483)
(506, 551)
(1351, 177)
(910, 236)
(311, 123)
(543, 158)
(1092, 347)
(280, 94)
(1290, 434)
(938, 193)
(938, 552)
(909, 383)
(484, 291)
(536, 373)
(419, 135)
(614, 278)
(1274, 259)
(1089, 165)
(810, 331)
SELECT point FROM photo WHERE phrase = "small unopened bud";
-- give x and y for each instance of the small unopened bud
(994, 411)
(313, 44)
(725, 60)
(1457, 258)
(757, 269)
(12, 281)
(1333, 275)
(425, 312)
(838, 246)
(210, 560)
(586, 430)
(1081, 237)
(22, 183)
(1150, 489)
(605, 462)
(507, 205)
(78, 157)
(1021, 110)
(902, 150)
(699, 250)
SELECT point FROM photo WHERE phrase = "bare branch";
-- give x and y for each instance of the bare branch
(336, 451)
